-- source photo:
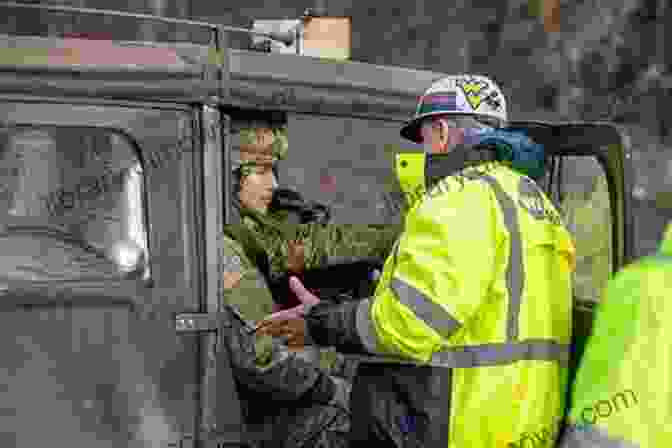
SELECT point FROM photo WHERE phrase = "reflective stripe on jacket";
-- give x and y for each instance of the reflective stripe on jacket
(480, 282)
(622, 393)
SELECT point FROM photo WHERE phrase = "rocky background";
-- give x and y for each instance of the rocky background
(577, 60)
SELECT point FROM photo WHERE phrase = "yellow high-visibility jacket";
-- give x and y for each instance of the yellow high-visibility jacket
(480, 282)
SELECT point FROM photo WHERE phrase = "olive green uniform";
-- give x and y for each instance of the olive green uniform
(284, 398)
(256, 250)
(322, 244)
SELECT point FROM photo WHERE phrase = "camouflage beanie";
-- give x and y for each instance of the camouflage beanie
(258, 145)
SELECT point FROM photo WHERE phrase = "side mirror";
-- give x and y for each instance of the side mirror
(129, 258)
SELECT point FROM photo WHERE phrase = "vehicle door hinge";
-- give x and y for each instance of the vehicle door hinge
(199, 322)
(209, 322)
(222, 426)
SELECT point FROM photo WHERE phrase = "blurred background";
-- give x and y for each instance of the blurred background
(555, 59)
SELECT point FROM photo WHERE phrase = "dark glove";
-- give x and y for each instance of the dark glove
(314, 212)
(335, 325)
(516, 149)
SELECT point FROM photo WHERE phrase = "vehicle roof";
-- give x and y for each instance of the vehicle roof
(314, 85)
(104, 69)
(188, 72)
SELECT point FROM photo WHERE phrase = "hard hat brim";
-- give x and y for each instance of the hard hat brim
(411, 130)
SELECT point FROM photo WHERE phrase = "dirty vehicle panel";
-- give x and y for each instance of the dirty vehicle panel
(95, 356)
(101, 244)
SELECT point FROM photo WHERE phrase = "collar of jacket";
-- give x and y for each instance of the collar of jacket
(419, 172)
(439, 166)
(666, 245)
(267, 226)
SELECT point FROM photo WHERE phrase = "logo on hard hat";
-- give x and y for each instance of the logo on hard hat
(438, 102)
(474, 90)
(493, 100)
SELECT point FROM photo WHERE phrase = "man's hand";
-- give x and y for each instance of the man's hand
(289, 324)
(292, 330)
(306, 297)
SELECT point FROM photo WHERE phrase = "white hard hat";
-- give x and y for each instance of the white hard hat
(458, 95)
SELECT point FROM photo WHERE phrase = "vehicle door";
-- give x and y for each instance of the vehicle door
(590, 180)
(100, 246)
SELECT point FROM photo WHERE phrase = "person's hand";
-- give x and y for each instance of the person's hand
(305, 297)
(292, 330)
(289, 324)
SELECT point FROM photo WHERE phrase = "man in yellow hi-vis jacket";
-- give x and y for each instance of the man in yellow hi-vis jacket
(476, 293)
(622, 395)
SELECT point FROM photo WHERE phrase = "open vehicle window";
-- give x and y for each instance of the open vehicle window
(585, 205)
(71, 204)
(347, 163)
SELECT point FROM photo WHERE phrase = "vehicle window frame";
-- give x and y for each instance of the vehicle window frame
(561, 194)
(134, 148)
(121, 119)
(385, 144)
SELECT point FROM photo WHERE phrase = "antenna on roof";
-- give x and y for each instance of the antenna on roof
(319, 10)
(285, 38)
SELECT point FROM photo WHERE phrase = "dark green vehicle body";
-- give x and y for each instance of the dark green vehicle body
(105, 360)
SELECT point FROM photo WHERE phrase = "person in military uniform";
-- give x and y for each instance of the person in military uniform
(261, 246)
(286, 400)
(271, 240)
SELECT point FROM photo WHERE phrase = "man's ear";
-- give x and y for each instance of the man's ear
(443, 131)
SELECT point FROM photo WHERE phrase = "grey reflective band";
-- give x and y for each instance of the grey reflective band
(665, 258)
(483, 355)
(365, 329)
(443, 323)
(515, 273)
(430, 312)
(590, 436)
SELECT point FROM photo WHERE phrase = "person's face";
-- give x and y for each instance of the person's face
(442, 134)
(256, 188)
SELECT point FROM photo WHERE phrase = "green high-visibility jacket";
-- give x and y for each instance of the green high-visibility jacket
(622, 394)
